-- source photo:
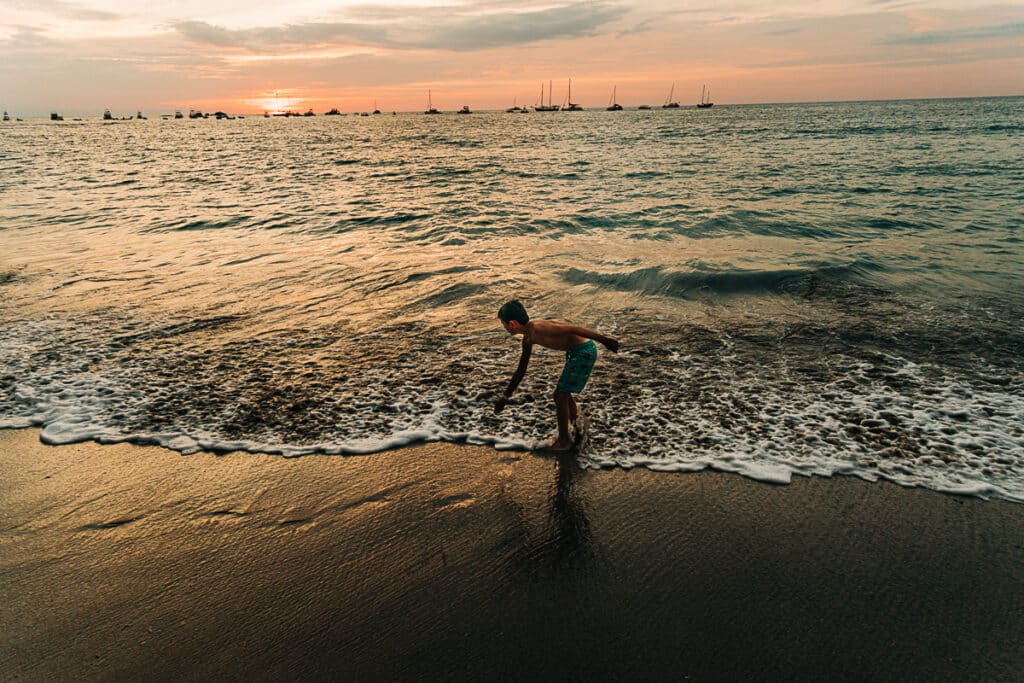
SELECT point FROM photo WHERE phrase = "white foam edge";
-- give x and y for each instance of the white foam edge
(78, 429)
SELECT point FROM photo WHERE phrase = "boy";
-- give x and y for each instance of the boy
(580, 355)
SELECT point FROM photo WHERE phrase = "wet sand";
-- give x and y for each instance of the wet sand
(441, 561)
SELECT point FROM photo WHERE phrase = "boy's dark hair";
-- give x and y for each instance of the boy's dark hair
(513, 310)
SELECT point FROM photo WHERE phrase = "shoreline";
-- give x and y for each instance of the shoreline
(774, 473)
(457, 561)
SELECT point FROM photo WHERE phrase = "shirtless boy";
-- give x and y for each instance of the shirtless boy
(580, 356)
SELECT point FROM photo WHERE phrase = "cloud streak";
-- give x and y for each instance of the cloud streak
(281, 37)
(456, 29)
(60, 9)
(960, 35)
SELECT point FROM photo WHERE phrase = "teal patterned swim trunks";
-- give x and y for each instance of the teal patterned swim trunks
(579, 361)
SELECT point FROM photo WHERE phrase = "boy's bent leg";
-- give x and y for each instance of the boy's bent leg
(563, 402)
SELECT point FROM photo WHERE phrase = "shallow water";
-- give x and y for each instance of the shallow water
(809, 289)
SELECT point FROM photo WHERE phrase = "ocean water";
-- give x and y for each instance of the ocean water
(798, 289)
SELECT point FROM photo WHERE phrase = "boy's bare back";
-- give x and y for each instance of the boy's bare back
(558, 336)
(552, 334)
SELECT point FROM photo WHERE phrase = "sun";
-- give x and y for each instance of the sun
(274, 104)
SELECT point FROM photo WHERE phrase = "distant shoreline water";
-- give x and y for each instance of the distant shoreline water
(804, 290)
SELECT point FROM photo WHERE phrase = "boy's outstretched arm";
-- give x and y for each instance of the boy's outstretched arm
(517, 377)
(609, 343)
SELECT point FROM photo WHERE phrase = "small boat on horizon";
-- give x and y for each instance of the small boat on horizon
(515, 108)
(612, 104)
(7, 117)
(107, 116)
(375, 109)
(139, 116)
(705, 101)
(332, 112)
(178, 115)
(465, 110)
(669, 104)
(430, 105)
(644, 107)
(572, 106)
(54, 116)
(549, 106)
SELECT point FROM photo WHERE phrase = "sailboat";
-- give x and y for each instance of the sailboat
(572, 106)
(516, 109)
(669, 104)
(7, 117)
(612, 104)
(705, 101)
(375, 109)
(549, 106)
(430, 105)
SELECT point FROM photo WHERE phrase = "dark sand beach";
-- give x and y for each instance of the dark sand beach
(440, 561)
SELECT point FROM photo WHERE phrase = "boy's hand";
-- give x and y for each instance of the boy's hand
(611, 344)
(500, 405)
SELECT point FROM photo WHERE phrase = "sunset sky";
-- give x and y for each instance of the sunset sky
(82, 57)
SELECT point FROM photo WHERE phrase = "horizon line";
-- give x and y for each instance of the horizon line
(260, 112)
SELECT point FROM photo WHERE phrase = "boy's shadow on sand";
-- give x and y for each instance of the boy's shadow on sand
(566, 542)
